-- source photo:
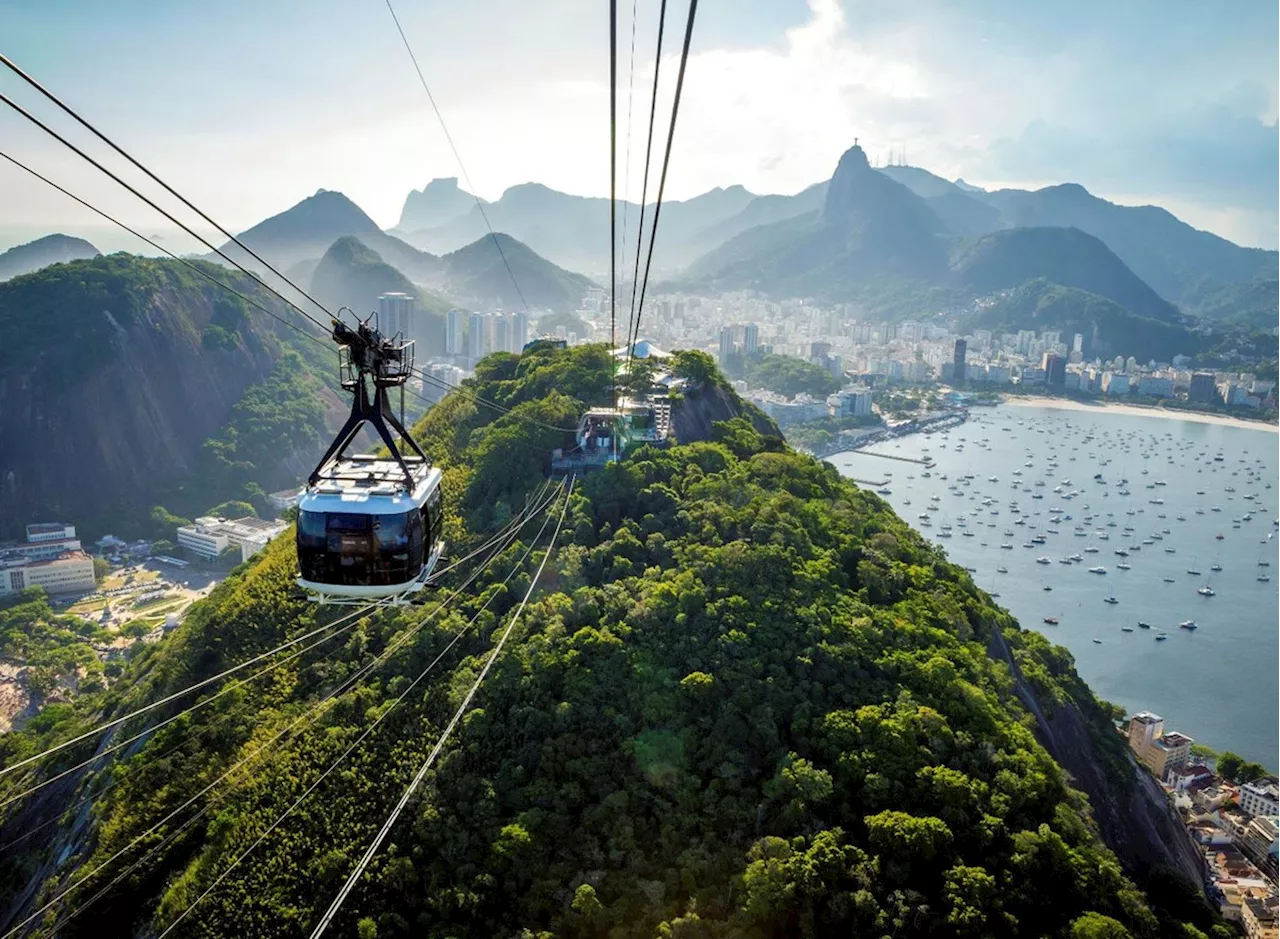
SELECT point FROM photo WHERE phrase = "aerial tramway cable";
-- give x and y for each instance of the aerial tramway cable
(666, 162)
(457, 156)
(644, 188)
(363, 736)
(205, 682)
(533, 509)
(363, 863)
(13, 67)
(222, 254)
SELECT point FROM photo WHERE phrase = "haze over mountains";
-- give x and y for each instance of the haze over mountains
(51, 249)
(894, 242)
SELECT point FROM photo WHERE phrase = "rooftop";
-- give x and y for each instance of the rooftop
(1262, 787)
(1146, 717)
(1173, 739)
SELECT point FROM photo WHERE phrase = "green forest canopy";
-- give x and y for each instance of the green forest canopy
(750, 701)
(790, 376)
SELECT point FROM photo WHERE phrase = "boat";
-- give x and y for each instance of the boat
(1215, 567)
(1126, 629)
(1098, 641)
(1169, 580)
(1123, 567)
(1051, 620)
(1111, 600)
(1161, 638)
(1219, 536)
(1142, 625)
(1263, 579)
(1002, 569)
(1194, 573)
(1097, 570)
(1043, 560)
(1187, 624)
(1205, 591)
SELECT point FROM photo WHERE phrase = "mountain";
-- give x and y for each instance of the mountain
(51, 249)
(871, 235)
(1174, 258)
(117, 372)
(477, 274)
(305, 232)
(1109, 329)
(566, 229)
(895, 240)
(1065, 256)
(352, 274)
(436, 204)
(743, 699)
(762, 210)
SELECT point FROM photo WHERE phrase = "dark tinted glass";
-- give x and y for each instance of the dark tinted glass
(345, 548)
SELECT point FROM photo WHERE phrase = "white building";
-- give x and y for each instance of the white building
(453, 332)
(45, 540)
(209, 537)
(1115, 383)
(395, 315)
(70, 573)
(852, 402)
(1259, 797)
(1153, 387)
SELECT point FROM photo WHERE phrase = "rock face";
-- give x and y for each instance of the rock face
(118, 369)
(51, 249)
(438, 203)
(1133, 814)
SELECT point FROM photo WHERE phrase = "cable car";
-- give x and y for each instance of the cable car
(369, 528)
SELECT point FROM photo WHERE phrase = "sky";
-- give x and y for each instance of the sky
(247, 106)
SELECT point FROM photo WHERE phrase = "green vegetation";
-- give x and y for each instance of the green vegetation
(548, 323)
(817, 434)
(748, 702)
(52, 647)
(790, 376)
(1238, 769)
(1109, 328)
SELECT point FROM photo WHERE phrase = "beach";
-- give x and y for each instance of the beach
(1195, 417)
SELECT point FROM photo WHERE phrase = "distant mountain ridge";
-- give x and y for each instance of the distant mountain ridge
(438, 203)
(306, 230)
(878, 243)
(51, 249)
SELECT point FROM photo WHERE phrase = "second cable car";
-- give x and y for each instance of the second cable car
(369, 528)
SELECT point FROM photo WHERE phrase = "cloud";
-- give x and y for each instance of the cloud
(1168, 102)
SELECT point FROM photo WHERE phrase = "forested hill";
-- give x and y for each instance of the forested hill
(126, 379)
(747, 701)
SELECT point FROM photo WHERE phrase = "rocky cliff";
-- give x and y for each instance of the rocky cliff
(116, 370)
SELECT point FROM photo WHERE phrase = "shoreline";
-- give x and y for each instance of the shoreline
(1133, 410)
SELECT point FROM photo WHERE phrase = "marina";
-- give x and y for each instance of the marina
(1186, 510)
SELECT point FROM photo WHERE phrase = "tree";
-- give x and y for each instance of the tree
(100, 569)
(1097, 926)
(694, 366)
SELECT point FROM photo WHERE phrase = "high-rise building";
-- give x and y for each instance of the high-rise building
(519, 331)
(1077, 344)
(750, 339)
(453, 332)
(957, 370)
(396, 315)
(501, 332)
(727, 347)
(479, 339)
(1203, 389)
(1055, 370)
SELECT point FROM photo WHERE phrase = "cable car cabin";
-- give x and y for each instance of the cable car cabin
(362, 536)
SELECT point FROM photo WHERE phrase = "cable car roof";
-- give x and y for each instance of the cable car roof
(371, 486)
